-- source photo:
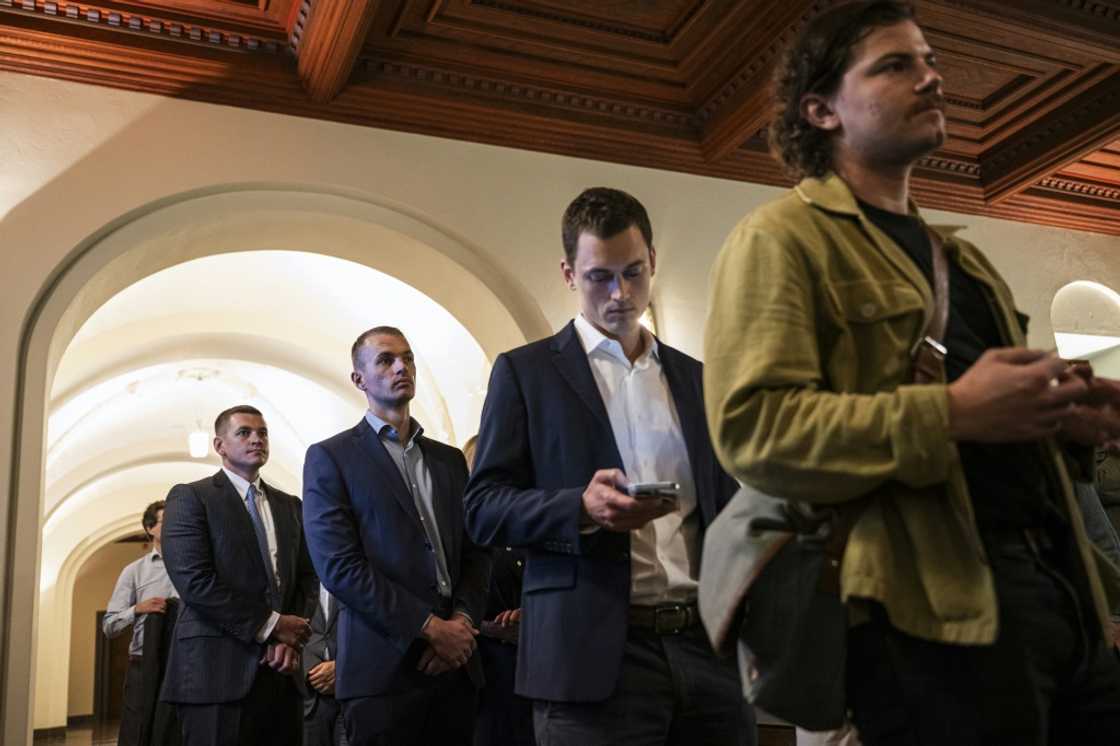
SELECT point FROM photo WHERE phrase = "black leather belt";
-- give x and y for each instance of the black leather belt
(665, 619)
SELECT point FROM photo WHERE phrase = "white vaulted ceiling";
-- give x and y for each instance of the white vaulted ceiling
(268, 328)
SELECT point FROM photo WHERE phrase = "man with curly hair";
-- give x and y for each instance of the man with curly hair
(979, 610)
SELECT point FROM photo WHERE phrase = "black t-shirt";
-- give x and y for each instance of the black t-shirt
(1009, 483)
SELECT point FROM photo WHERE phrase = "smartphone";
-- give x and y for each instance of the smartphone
(662, 490)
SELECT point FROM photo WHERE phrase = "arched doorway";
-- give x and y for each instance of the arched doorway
(492, 308)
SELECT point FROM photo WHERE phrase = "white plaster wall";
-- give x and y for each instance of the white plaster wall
(77, 158)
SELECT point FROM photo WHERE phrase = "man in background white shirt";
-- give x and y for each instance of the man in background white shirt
(142, 589)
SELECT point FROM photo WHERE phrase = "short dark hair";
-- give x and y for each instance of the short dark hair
(603, 212)
(360, 342)
(222, 419)
(151, 517)
(816, 63)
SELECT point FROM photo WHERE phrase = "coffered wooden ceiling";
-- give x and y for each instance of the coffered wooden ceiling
(1033, 86)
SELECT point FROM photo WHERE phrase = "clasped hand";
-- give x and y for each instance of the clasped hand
(451, 644)
(321, 677)
(281, 658)
(292, 630)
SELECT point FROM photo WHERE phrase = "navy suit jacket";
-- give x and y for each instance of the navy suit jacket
(372, 554)
(215, 563)
(544, 434)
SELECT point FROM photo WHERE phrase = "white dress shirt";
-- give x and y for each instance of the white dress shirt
(140, 580)
(241, 485)
(665, 553)
(325, 604)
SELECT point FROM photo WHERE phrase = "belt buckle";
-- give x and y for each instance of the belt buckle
(670, 620)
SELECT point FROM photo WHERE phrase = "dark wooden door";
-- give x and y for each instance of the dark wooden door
(110, 667)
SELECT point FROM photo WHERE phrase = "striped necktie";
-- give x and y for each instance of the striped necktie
(262, 544)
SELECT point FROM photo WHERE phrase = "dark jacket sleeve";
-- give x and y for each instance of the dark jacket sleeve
(503, 505)
(336, 551)
(188, 556)
(308, 596)
(474, 566)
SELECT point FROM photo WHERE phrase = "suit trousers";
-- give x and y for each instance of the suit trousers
(1049, 680)
(672, 691)
(504, 719)
(324, 726)
(438, 714)
(271, 713)
(132, 706)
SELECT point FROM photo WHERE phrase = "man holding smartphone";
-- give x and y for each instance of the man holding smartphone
(978, 608)
(611, 647)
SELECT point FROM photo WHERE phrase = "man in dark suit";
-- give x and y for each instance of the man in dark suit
(610, 647)
(234, 549)
(384, 515)
(322, 717)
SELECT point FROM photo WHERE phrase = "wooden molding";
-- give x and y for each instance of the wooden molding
(741, 107)
(1080, 126)
(329, 45)
(1033, 87)
(154, 25)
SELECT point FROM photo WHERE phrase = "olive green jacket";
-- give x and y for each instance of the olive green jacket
(814, 313)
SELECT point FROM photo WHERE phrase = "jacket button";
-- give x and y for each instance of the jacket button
(868, 310)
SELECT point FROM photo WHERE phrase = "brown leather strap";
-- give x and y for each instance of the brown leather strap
(939, 322)
(928, 367)
(929, 355)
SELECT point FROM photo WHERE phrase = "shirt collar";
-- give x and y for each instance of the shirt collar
(592, 339)
(379, 425)
(241, 484)
(832, 193)
(155, 555)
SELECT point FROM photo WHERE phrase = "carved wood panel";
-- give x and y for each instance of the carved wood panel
(1032, 87)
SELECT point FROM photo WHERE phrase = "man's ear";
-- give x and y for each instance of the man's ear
(218, 445)
(356, 379)
(652, 261)
(817, 111)
(569, 273)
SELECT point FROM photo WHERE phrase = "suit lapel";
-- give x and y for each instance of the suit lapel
(441, 499)
(234, 506)
(571, 360)
(332, 620)
(284, 526)
(690, 412)
(383, 463)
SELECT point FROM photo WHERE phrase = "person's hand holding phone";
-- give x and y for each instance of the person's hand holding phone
(606, 504)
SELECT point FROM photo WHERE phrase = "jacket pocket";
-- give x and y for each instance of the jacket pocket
(881, 322)
(870, 301)
(549, 571)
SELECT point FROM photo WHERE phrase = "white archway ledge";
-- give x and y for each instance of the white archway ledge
(497, 310)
